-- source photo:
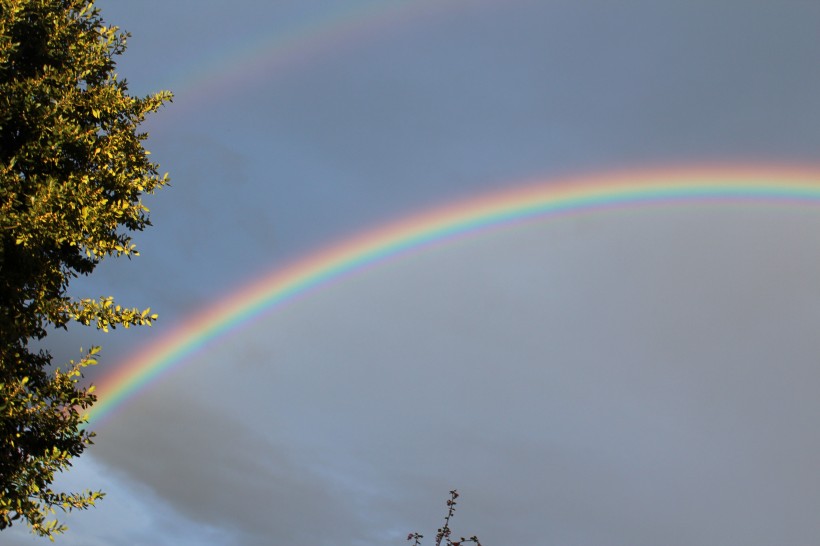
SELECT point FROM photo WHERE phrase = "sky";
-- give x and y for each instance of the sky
(626, 376)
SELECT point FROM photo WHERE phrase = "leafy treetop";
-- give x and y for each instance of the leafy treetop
(72, 173)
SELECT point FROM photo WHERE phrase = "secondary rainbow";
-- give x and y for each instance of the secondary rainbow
(265, 55)
(527, 201)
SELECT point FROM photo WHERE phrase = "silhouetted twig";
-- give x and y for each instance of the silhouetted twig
(444, 531)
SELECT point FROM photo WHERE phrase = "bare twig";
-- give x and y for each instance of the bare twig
(444, 531)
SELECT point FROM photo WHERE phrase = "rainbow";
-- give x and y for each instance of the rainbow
(527, 201)
(264, 55)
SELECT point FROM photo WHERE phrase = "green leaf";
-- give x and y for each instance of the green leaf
(73, 171)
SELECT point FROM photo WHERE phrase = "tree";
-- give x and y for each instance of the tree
(444, 532)
(72, 173)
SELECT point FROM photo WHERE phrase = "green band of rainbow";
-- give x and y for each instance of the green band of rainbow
(770, 185)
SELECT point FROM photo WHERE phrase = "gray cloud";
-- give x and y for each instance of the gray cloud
(222, 472)
(642, 377)
(623, 378)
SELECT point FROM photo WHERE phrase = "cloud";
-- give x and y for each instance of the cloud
(129, 511)
(637, 377)
(622, 378)
(222, 472)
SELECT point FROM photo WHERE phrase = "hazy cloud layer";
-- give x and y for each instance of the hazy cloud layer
(620, 378)
(640, 377)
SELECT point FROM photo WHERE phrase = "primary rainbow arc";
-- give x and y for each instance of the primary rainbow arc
(769, 185)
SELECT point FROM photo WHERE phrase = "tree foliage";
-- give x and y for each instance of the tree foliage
(72, 173)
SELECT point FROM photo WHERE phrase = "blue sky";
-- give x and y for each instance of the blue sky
(634, 377)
